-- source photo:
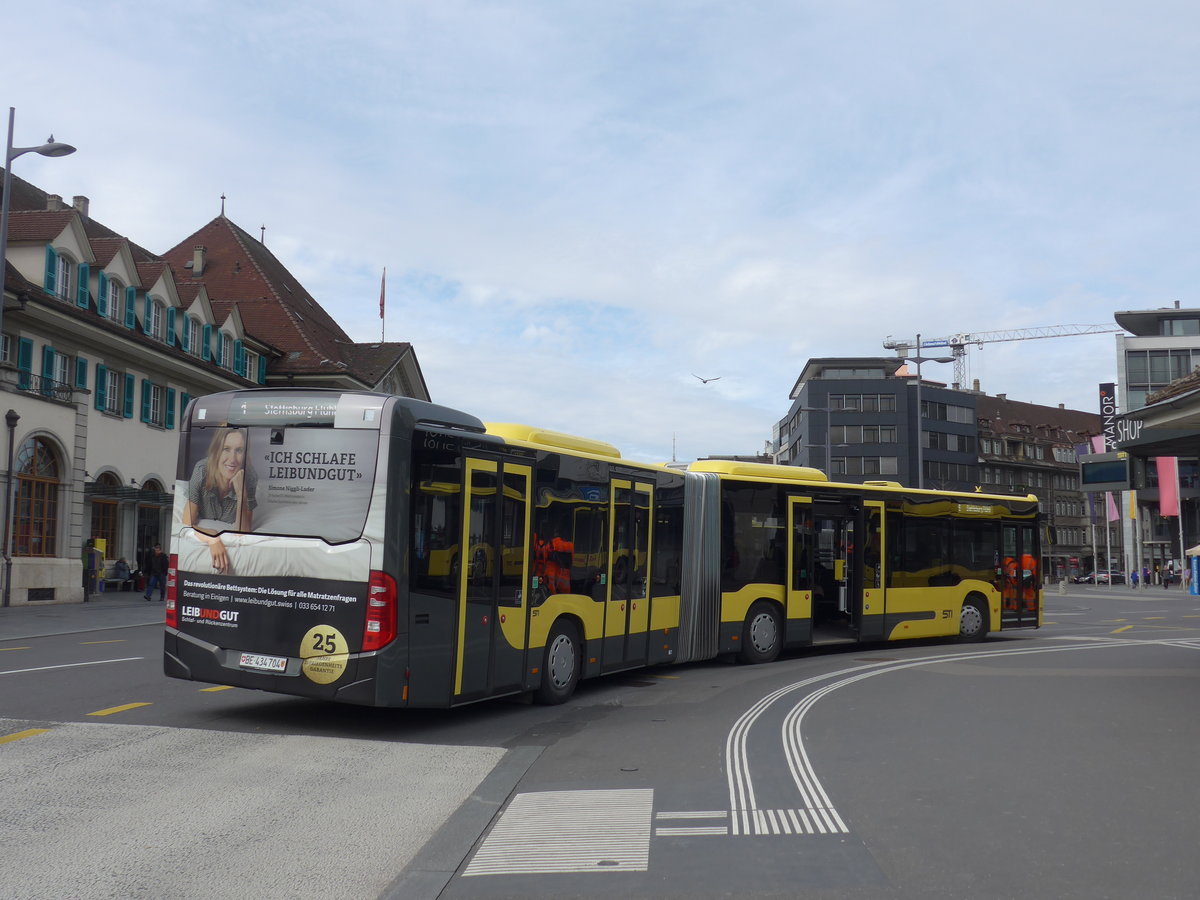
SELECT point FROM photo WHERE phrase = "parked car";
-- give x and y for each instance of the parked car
(1102, 578)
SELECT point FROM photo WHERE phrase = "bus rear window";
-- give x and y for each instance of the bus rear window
(300, 481)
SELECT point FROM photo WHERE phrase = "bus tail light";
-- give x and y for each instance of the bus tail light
(379, 630)
(172, 581)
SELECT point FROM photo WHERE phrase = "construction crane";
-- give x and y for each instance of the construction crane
(958, 343)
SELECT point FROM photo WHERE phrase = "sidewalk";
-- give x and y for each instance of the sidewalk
(114, 609)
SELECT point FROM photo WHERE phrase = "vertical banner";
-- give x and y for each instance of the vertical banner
(1108, 416)
(1168, 485)
(1194, 581)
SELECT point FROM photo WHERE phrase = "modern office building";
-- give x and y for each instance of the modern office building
(855, 419)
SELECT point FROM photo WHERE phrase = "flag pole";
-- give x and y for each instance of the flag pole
(382, 292)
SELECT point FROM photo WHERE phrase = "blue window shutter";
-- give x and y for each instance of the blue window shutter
(262, 370)
(171, 326)
(169, 415)
(51, 269)
(185, 335)
(239, 359)
(102, 294)
(206, 347)
(101, 386)
(81, 367)
(24, 362)
(130, 309)
(149, 304)
(81, 290)
(127, 409)
(145, 399)
(184, 399)
(47, 370)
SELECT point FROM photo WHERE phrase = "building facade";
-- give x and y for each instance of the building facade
(104, 344)
(1156, 360)
(855, 418)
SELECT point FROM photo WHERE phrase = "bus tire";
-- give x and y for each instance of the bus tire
(762, 633)
(973, 620)
(561, 663)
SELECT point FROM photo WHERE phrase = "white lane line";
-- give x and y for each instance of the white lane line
(98, 662)
(691, 831)
(694, 814)
(569, 831)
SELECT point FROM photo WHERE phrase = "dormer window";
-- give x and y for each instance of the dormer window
(192, 336)
(154, 324)
(114, 301)
(226, 355)
(64, 283)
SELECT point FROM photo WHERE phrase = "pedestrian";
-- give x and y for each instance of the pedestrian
(90, 565)
(1145, 576)
(122, 575)
(156, 573)
(1133, 578)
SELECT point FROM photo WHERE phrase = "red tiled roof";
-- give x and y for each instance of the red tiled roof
(274, 307)
(39, 225)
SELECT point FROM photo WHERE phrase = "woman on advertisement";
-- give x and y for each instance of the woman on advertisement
(221, 488)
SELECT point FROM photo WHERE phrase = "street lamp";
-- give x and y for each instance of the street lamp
(918, 359)
(11, 419)
(50, 148)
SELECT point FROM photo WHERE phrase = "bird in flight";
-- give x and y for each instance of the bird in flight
(706, 380)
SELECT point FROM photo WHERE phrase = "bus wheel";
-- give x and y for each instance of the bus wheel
(560, 665)
(762, 633)
(972, 621)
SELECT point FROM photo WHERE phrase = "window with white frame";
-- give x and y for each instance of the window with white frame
(6, 348)
(194, 335)
(157, 404)
(226, 358)
(158, 316)
(115, 300)
(114, 392)
(62, 368)
(251, 364)
(64, 282)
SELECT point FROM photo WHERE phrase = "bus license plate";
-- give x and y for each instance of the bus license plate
(267, 663)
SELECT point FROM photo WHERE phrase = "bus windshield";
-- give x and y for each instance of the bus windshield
(302, 481)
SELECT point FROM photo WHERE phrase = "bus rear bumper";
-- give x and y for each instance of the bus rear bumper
(185, 657)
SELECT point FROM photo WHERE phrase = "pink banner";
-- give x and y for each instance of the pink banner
(1168, 485)
(1110, 504)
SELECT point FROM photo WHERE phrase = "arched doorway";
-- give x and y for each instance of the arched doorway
(35, 524)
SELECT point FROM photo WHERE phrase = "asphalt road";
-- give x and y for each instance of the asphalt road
(1055, 763)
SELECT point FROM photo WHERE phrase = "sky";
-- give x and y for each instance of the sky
(583, 205)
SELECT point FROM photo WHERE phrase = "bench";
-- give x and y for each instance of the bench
(116, 584)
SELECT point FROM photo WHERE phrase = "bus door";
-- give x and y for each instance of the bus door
(627, 605)
(837, 601)
(802, 572)
(1021, 582)
(870, 623)
(493, 571)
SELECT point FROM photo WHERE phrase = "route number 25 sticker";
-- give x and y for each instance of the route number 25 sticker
(324, 652)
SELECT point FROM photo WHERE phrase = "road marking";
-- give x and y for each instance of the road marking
(114, 641)
(2, 649)
(117, 709)
(98, 662)
(1122, 628)
(218, 687)
(584, 831)
(21, 735)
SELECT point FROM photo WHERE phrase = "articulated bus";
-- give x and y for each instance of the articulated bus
(379, 550)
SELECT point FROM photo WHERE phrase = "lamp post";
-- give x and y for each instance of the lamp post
(50, 148)
(11, 418)
(918, 359)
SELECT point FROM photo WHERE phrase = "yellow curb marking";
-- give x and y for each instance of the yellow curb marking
(116, 709)
(20, 735)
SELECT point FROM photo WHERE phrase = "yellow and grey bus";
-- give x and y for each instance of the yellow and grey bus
(379, 550)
